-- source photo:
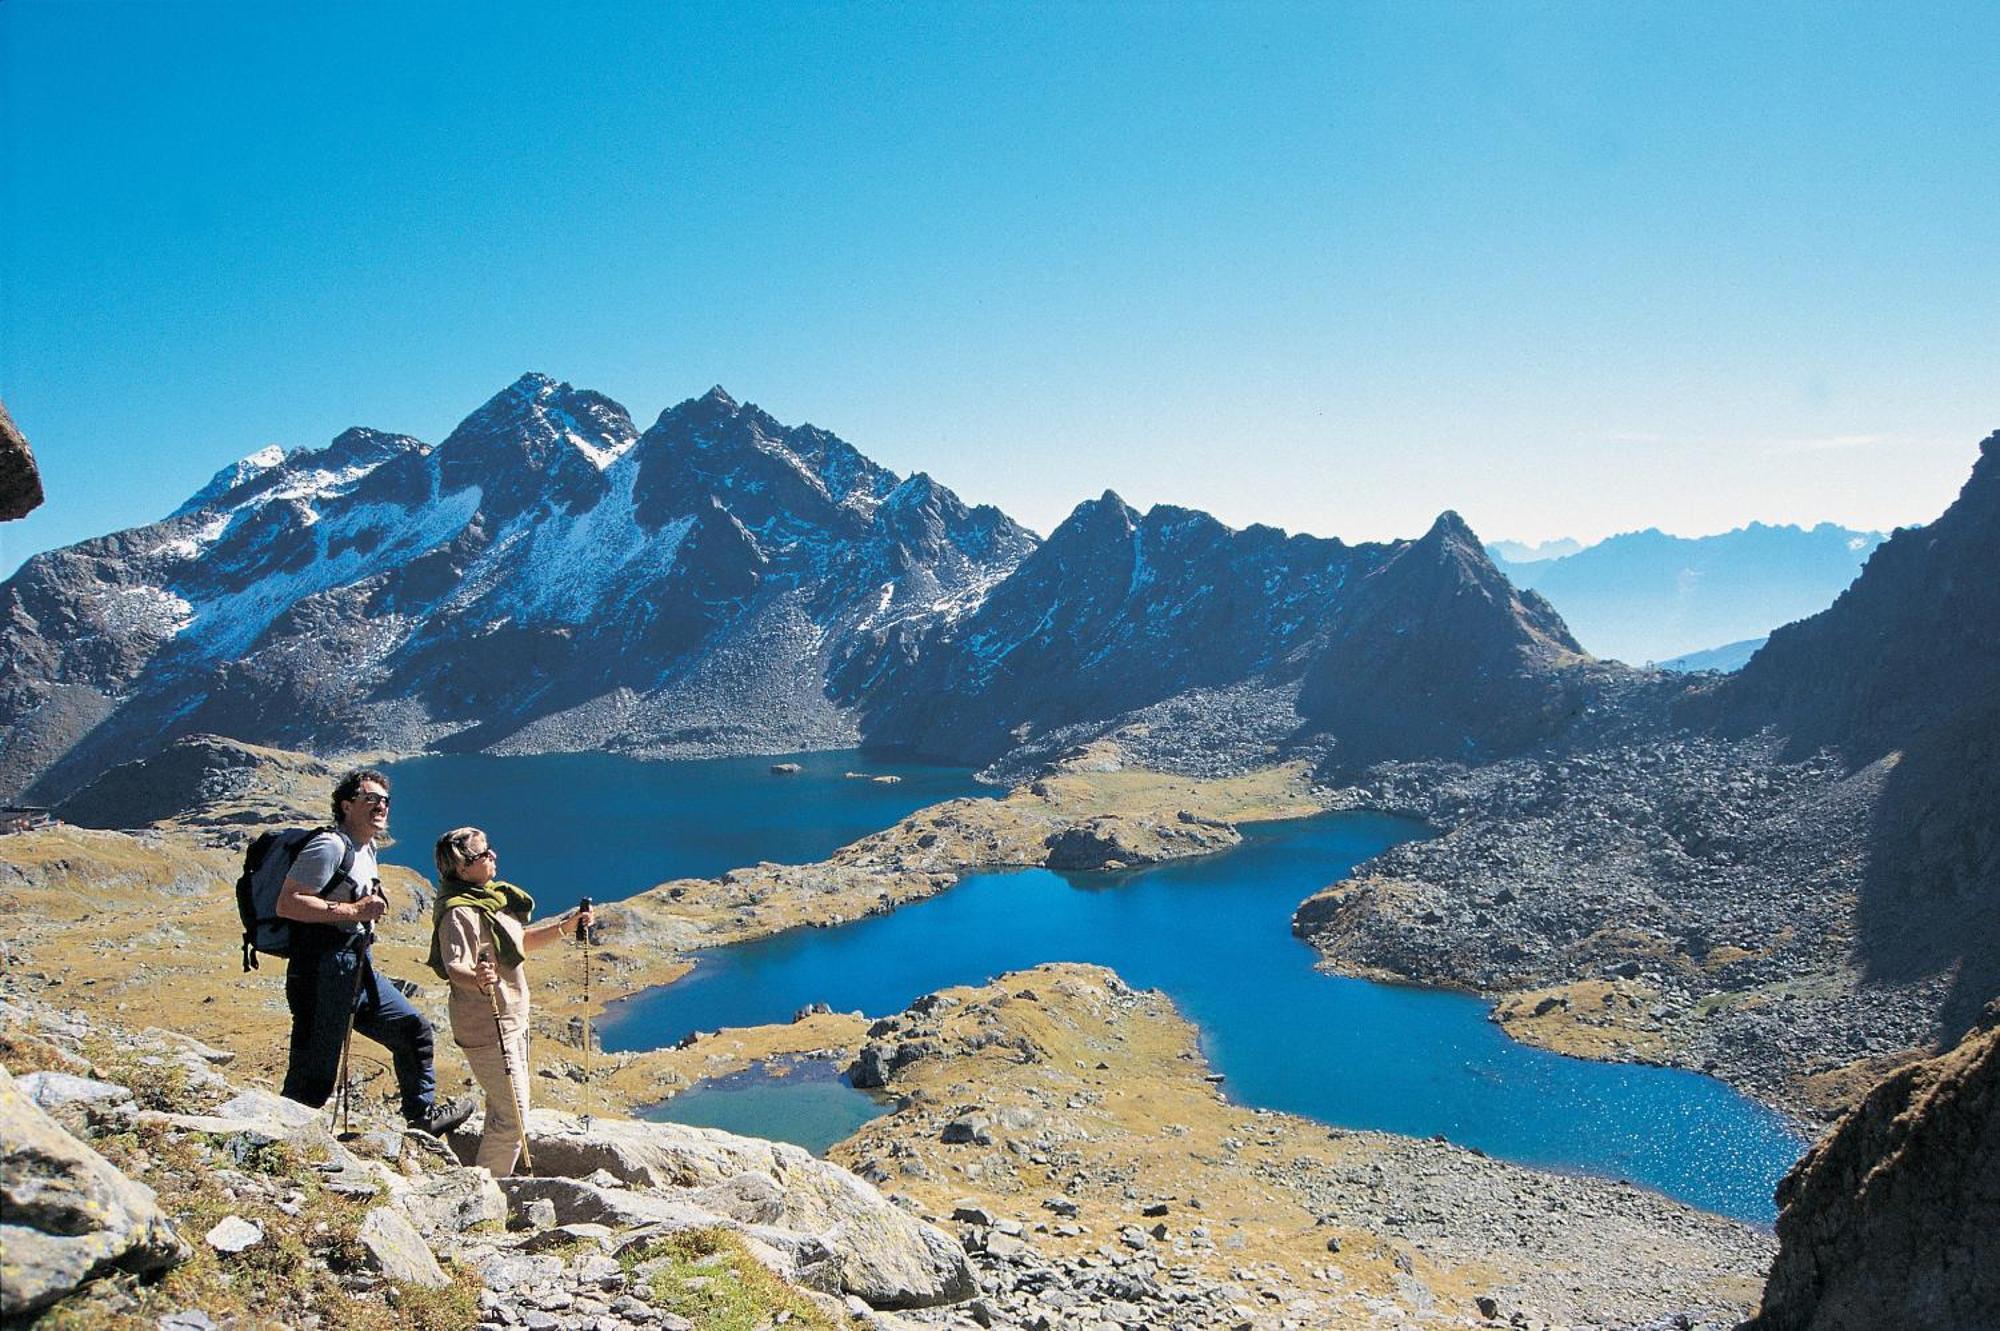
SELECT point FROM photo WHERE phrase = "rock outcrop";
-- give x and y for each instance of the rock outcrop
(69, 1215)
(881, 1255)
(392, 1211)
(1893, 1220)
(205, 780)
(20, 482)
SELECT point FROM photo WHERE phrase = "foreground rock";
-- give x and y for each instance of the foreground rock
(69, 1215)
(1894, 1219)
(391, 1217)
(20, 482)
(882, 1255)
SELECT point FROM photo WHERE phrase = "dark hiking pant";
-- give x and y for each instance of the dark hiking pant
(319, 986)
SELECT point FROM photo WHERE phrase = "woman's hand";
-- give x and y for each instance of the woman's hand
(488, 975)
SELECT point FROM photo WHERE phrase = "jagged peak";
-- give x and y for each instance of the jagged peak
(918, 489)
(1451, 529)
(1161, 517)
(712, 407)
(359, 441)
(535, 384)
(1105, 517)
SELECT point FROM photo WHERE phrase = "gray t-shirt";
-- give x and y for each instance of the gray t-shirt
(319, 861)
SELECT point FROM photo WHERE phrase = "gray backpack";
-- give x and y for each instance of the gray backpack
(265, 864)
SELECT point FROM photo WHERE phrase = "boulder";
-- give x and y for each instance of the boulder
(68, 1214)
(879, 1061)
(799, 1259)
(452, 1201)
(886, 1257)
(397, 1251)
(578, 1202)
(20, 482)
(53, 1090)
(78, 1103)
(233, 1234)
(751, 1199)
(503, 1272)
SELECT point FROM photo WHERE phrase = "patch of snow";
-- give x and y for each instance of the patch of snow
(225, 626)
(192, 545)
(319, 483)
(150, 612)
(571, 563)
(601, 457)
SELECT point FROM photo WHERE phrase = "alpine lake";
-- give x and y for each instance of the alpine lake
(1213, 933)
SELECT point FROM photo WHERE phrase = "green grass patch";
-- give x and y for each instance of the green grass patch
(711, 1279)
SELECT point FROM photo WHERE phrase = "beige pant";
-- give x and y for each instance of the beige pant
(506, 1107)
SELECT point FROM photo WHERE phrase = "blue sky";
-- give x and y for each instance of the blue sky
(1567, 268)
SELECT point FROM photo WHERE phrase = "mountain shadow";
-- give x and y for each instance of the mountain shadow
(1904, 670)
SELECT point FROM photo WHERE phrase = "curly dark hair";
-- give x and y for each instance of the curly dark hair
(350, 786)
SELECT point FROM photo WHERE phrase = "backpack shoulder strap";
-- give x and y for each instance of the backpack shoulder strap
(346, 869)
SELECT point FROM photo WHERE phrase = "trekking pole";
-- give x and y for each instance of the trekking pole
(514, 1082)
(343, 1102)
(583, 938)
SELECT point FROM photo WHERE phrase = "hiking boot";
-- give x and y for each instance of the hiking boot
(444, 1116)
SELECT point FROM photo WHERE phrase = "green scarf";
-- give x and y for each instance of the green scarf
(493, 898)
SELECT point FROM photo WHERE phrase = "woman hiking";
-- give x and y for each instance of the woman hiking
(479, 938)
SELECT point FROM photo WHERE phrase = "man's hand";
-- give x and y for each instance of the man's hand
(297, 901)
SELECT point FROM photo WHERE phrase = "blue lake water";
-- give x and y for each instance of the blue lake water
(570, 825)
(809, 1104)
(1214, 934)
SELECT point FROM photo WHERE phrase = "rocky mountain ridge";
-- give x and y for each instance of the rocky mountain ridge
(1407, 649)
(551, 578)
(1787, 876)
(547, 577)
(1904, 671)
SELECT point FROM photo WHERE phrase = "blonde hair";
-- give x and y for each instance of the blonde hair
(454, 851)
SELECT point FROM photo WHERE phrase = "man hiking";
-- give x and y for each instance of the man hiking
(330, 978)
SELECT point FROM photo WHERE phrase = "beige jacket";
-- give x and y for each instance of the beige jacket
(461, 937)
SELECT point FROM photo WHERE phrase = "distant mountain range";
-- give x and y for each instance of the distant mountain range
(1726, 658)
(1649, 597)
(551, 578)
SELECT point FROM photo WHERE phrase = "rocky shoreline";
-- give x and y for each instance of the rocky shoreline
(1680, 900)
(1070, 1131)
